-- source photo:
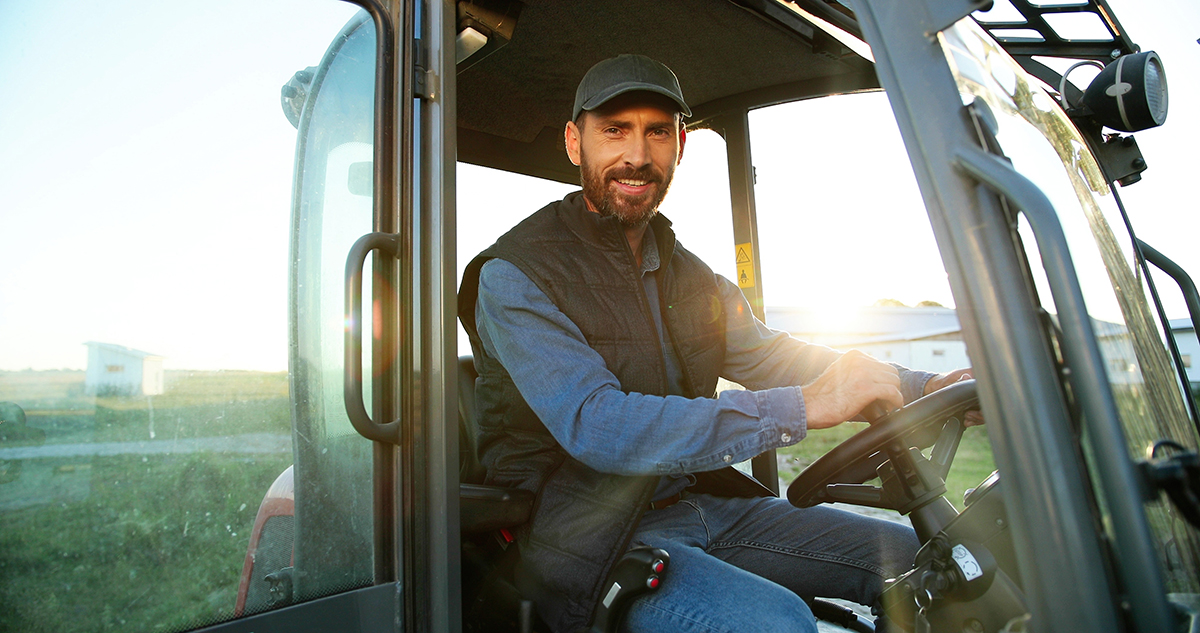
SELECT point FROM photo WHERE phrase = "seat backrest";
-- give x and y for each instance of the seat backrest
(470, 471)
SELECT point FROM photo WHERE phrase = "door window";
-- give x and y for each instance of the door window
(147, 393)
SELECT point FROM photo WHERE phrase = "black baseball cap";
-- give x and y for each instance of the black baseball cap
(626, 73)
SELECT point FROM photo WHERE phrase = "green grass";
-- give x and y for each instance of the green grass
(133, 541)
(157, 545)
(194, 404)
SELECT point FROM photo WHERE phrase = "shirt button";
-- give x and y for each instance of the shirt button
(785, 438)
(727, 458)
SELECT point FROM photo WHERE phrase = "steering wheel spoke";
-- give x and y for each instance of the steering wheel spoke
(947, 446)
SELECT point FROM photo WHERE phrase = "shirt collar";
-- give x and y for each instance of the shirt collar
(650, 259)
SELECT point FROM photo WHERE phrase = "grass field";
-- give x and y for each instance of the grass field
(140, 538)
(146, 541)
(156, 545)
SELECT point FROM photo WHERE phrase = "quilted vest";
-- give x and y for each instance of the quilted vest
(583, 519)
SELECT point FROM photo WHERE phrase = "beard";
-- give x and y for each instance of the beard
(631, 211)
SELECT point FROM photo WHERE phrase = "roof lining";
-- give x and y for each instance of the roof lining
(513, 103)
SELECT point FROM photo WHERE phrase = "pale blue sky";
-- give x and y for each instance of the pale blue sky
(1164, 208)
(147, 170)
(146, 167)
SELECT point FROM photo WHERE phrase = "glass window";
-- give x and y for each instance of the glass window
(1043, 145)
(840, 219)
(849, 258)
(484, 216)
(699, 205)
(147, 394)
(331, 209)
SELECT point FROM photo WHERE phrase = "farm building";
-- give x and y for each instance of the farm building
(925, 338)
(931, 338)
(1189, 349)
(118, 370)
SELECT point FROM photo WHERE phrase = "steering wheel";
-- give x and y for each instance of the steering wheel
(935, 418)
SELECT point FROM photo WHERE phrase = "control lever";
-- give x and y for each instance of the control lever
(638, 572)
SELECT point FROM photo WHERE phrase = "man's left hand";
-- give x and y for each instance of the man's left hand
(974, 417)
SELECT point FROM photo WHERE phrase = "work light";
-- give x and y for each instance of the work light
(1130, 94)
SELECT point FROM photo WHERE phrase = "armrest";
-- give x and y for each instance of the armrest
(486, 508)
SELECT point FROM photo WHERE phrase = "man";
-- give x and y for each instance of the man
(599, 341)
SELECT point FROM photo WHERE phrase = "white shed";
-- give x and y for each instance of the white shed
(931, 338)
(927, 338)
(118, 370)
(1189, 348)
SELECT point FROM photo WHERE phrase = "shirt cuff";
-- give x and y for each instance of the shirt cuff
(912, 383)
(780, 420)
(783, 415)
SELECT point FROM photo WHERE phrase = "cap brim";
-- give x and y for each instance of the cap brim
(632, 86)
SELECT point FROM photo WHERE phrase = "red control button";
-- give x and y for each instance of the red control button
(652, 582)
(658, 566)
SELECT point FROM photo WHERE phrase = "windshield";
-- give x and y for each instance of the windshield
(1032, 132)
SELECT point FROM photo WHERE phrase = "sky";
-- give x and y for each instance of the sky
(1164, 208)
(146, 171)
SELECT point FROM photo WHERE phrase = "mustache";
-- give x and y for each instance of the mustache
(647, 173)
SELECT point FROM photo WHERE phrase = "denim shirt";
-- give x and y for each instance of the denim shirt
(642, 434)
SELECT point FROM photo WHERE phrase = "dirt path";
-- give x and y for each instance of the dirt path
(247, 443)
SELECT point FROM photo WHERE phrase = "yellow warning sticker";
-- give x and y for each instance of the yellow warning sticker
(745, 266)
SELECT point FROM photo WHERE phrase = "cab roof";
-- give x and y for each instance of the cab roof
(513, 104)
(729, 55)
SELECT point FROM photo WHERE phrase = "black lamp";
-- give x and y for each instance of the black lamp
(1130, 94)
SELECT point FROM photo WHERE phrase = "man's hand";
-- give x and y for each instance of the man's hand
(974, 417)
(847, 386)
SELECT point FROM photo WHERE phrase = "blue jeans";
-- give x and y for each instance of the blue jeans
(740, 565)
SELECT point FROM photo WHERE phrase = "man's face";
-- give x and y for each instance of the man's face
(627, 151)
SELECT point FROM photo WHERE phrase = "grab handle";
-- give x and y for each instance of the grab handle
(1176, 272)
(352, 386)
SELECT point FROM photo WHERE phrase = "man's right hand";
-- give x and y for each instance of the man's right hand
(846, 387)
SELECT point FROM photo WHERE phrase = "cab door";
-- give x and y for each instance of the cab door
(173, 341)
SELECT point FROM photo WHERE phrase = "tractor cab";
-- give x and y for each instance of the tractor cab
(837, 152)
(756, 200)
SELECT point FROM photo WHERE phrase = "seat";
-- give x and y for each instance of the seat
(491, 602)
(483, 508)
